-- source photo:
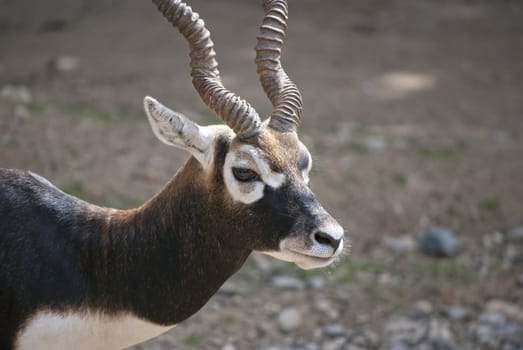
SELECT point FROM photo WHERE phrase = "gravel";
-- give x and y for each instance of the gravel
(438, 241)
(289, 319)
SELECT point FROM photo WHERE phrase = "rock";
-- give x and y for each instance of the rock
(403, 330)
(423, 307)
(515, 234)
(387, 279)
(438, 241)
(316, 282)
(334, 344)
(64, 64)
(457, 313)
(375, 143)
(17, 94)
(289, 319)
(373, 339)
(228, 347)
(439, 331)
(495, 319)
(335, 330)
(483, 334)
(398, 346)
(323, 305)
(354, 347)
(287, 282)
(510, 310)
(520, 280)
(493, 239)
(400, 245)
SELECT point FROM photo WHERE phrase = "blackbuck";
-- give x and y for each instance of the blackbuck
(74, 275)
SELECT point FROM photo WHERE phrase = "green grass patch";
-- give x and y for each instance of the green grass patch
(80, 110)
(356, 147)
(373, 291)
(194, 340)
(352, 268)
(399, 178)
(491, 204)
(437, 152)
(443, 270)
(35, 107)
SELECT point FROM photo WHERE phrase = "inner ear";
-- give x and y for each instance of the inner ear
(175, 129)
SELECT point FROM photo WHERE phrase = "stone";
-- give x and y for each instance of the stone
(438, 241)
(287, 282)
(324, 306)
(457, 313)
(228, 347)
(289, 319)
(316, 282)
(495, 319)
(510, 310)
(439, 331)
(17, 94)
(387, 279)
(423, 307)
(398, 346)
(484, 334)
(403, 330)
(334, 330)
(64, 64)
(334, 344)
(375, 143)
(373, 339)
(400, 245)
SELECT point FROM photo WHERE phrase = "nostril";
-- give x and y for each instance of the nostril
(326, 239)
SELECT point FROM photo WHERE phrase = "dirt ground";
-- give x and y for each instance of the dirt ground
(413, 112)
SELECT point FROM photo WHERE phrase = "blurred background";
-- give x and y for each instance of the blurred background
(413, 113)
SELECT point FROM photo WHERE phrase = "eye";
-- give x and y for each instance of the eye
(245, 175)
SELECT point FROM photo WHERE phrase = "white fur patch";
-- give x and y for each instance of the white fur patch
(43, 180)
(305, 172)
(249, 157)
(302, 261)
(85, 331)
(306, 252)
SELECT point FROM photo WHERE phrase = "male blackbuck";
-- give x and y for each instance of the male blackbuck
(77, 276)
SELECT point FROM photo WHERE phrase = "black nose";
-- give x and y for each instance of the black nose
(326, 239)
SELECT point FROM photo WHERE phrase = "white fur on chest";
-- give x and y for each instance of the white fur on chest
(81, 331)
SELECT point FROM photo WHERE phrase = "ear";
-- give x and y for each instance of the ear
(175, 129)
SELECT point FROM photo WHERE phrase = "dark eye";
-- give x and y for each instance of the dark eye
(245, 175)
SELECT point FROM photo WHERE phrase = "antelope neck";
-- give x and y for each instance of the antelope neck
(164, 260)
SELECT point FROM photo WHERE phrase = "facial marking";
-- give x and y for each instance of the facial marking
(249, 157)
(305, 165)
(271, 178)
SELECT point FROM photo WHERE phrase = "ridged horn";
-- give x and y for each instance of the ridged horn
(280, 89)
(237, 113)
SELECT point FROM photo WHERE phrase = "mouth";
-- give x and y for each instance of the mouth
(305, 259)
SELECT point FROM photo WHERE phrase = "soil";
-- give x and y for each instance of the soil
(413, 112)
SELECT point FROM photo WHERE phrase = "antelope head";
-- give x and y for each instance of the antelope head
(257, 171)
